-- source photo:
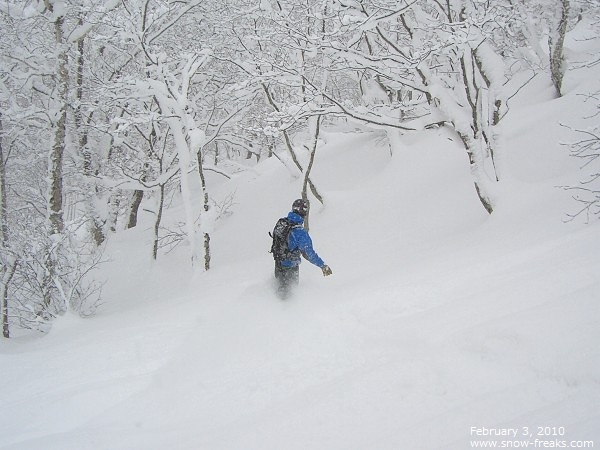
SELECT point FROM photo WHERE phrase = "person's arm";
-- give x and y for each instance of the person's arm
(305, 246)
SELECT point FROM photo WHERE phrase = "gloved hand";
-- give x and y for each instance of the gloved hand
(326, 270)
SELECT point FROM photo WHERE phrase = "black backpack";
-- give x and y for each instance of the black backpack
(280, 235)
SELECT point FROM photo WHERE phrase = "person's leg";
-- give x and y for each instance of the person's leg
(281, 287)
(286, 278)
(294, 276)
(291, 279)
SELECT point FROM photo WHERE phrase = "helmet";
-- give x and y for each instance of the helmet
(300, 207)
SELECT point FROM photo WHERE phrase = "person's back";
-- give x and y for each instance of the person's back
(299, 243)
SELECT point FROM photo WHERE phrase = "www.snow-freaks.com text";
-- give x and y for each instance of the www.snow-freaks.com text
(525, 437)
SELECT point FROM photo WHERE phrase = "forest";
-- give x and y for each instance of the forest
(108, 105)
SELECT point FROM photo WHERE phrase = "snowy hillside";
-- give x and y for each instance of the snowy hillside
(440, 323)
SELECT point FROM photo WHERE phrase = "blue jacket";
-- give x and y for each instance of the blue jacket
(300, 241)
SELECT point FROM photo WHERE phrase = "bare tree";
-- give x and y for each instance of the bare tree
(8, 262)
(46, 267)
(418, 59)
(556, 41)
(587, 150)
(313, 150)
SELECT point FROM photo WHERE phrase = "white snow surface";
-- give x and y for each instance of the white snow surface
(437, 318)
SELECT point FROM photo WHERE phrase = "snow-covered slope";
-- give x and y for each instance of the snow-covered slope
(438, 320)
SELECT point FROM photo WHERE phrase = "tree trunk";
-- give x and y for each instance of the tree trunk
(5, 324)
(138, 196)
(159, 213)
(3, 194)
(5, 272)
(54, 303)
(313, 151)
(206, 209)
(472, 143)
(83, 137)
(7, 275)
(475, 163)
(112, 218)
(55, 201)
(184, 160)
(556, 46)
(94, 222)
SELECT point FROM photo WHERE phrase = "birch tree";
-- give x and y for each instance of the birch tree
(417, 57)
(172, 81)
(51, 273)
(556, 42)
(8, 260)
(172, 93)
(283, 64)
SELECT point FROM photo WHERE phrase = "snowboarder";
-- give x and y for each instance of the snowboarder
(290, 241)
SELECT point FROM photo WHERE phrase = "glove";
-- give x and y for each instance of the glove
(326, 271)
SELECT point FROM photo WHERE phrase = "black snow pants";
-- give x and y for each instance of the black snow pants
(286, 278)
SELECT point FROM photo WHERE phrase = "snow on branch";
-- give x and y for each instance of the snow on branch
(587, 149)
